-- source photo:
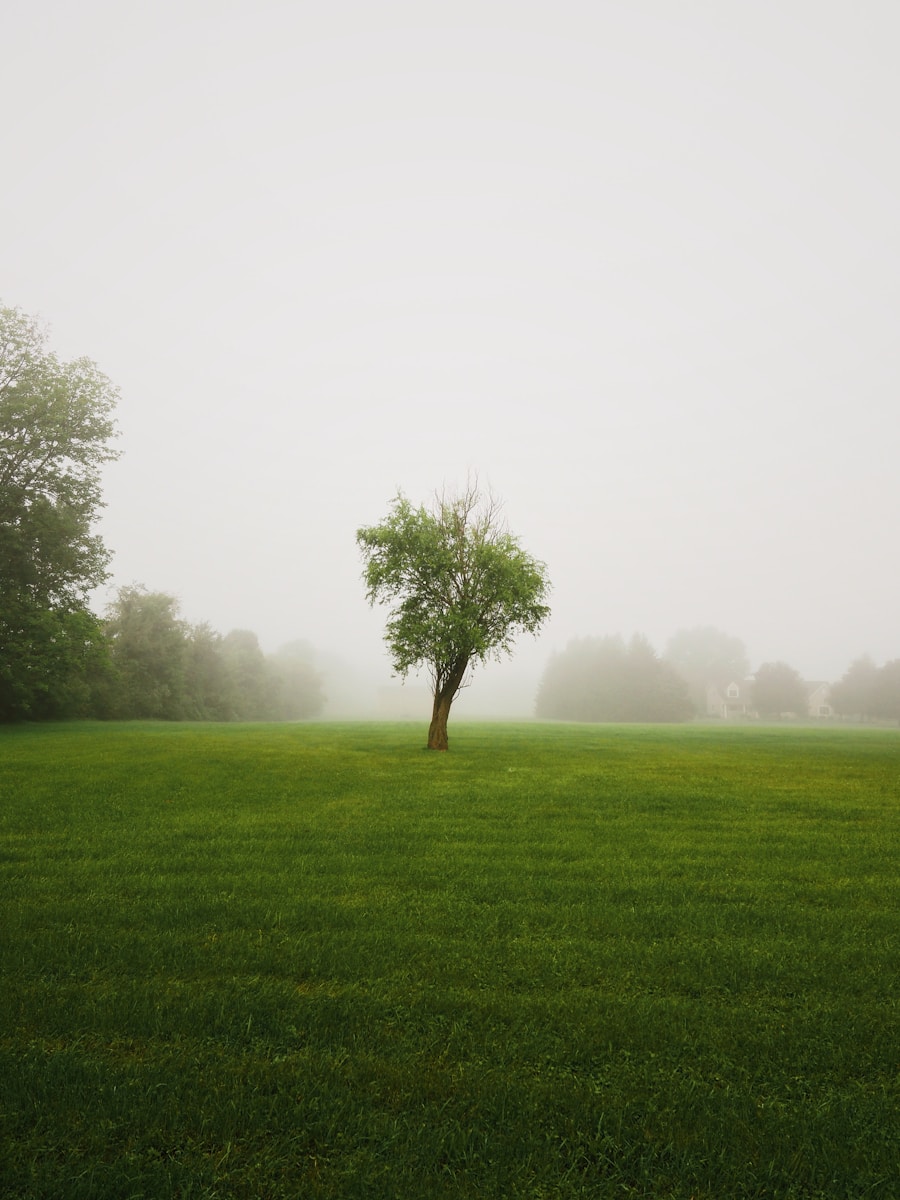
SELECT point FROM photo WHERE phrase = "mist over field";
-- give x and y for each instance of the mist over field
(635, 265)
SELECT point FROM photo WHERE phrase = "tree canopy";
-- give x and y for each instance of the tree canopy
(56, 426)
(605, 679)
(459, 586)
(866, 691)
(164, 668)
(854, 694)
(778, 688)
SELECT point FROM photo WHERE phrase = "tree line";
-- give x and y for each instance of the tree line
(162, 667)
(143, 661)
(57, 657)
(608, 679)
(868, 692)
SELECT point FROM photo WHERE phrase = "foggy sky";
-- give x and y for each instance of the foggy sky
(637, 264)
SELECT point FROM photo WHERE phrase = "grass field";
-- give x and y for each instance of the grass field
(559, 961)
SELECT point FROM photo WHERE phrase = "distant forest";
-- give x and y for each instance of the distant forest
(143, 661)
(609, 679)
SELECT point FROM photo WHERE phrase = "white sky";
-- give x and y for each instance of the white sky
(636, 263)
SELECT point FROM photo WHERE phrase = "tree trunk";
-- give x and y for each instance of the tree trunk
(437, 730)
(444, 695)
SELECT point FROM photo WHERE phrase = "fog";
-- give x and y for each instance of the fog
(636, 264)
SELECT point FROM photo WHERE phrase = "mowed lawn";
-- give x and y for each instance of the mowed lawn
(559, 961)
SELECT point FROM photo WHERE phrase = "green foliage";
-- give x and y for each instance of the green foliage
(148, 644)
(295, 683)
(246, 688)
(854, 694)
(778, 689)
(868, 691)
(460, 587)
(54, 660)
(164, 668)
(887, 691)
(565, 962)
(207, 687)
(56, 423)
(603, 679)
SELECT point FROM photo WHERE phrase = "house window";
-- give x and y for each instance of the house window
(733, 691)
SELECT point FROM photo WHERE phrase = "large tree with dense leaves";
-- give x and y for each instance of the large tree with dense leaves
(56, 426)
(460, 588)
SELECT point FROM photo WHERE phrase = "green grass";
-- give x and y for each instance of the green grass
(559, 961)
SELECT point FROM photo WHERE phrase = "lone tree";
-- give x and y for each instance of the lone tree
(460, 586)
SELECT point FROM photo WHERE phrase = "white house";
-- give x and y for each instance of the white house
(818, 699)
(730, 701)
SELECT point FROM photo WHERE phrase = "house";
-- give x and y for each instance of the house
(819, 699)
(733, 700)
(730, 701)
